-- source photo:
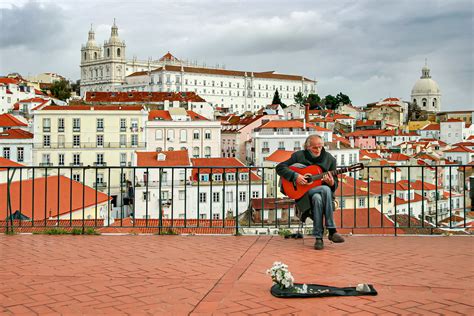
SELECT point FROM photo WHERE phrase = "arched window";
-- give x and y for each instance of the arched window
(108, 52)
(207, 152)
(414, 101)
(95, 55)
(159, 134)
(182, 135)
(207, 134)
(424, 101)
(435, 102)
(85, 56)
(196, 152)
(183, 148)
(118, 52)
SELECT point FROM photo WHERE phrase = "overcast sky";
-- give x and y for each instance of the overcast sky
(367, 49)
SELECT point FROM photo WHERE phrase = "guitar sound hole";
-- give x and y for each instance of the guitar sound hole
(308, 178)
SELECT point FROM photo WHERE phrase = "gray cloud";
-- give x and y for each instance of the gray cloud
(367, 49)
(34, 26)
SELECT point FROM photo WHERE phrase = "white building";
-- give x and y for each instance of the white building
(461, 154)
(178, 129)
(426, 93)
(283, 135)
(239, 91)
(13, 90)
(452, 131)
(84, 135)
(430, 131)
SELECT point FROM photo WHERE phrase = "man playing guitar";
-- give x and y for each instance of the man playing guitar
(318, 199)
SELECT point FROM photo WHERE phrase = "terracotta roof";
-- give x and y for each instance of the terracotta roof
(367, 123)
(342, 117)
(171, 158)
(38, 200)
(415, 185)
(292, 124)
(6, 80)
(416, 198)
(279, 155)
(363, 218)
(15, 133)
(168, 56)
(138, 73)
(166, 116)
(391, 100)
(141, 97)
(217, 162)
(93, 108)
(453, 120)
(366, 153)
(8, 120)
(398, 157)
(371, 132)
(459, 149)
(343, 140)
(431, 127)
(4, 162)
(236, 73)
(466, 144)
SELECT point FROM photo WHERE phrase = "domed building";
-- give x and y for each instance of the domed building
(426, 93)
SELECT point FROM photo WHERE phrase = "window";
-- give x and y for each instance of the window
(146, 196)
(297, 145)
(46, 125)
(46, 140)
(100, 125)
(100, 159)
(123, 140)
(123, 125)
(379, 200)
(202, 197)
(343, 162)
(196, 134)
(171, 134)
(195, 152)
(255, 194)
(217, 177)
(216, 196)
(242, 196)
(231, 177)
(123, 159)
(60, 125)
(76, 124)
(281, 145)
(215, 216)
(134, 124)
(100, 140)
(204, 177)
(265, 145)
(181, 194)
(6, 152)
(76, 177)
(61, 159)
(20, 154)
(361, 202)
(76, 159)
(182, 135)
(76, 140)
(207, 134)
(134, 140)
(244, 176)
(159, 134)
(207, 152)
(229, 197)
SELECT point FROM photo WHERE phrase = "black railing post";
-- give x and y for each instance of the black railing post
(59, 193)
(172, 196)
(262, 211)
(395, 199)
(436, 196)
(83, 198)
(198, 194)
(109, 213)
(237, 200)
(450, 199)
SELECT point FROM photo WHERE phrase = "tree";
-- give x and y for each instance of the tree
(314, 100)
(277, 100)
(300, 99)
(330, 102)
(61, 89)
(76, 87)
(342, 98)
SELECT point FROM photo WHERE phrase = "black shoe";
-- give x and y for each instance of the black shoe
(336, 238)
(319, 244)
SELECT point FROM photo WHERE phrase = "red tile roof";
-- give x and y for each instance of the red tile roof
(15, 134)
(416, 198)
(168, 56)
(292, 124)
(453, 120)
(431, 127)
(38, 200)
(398, 157)
(141, 97)
(363, 218)
(459, 149)
(279, 155)
(4, 162)
(125, 107)
(365, 153)
(220, 162)
(171, 158)
(5, 80)
(8, 120)
(367, 123)
(391, 100)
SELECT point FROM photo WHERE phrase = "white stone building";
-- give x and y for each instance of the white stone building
(178, 129)
(452, 131)
(13, 90)
(426, 93)
(108, 69)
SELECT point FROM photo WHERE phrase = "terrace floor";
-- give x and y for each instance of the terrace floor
(202, 275)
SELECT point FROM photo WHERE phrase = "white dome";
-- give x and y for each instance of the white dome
(425, 86)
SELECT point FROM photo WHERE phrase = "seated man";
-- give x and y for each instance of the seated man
(318, 199)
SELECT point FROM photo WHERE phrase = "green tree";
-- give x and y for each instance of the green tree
(300, 99)
(76, 87)
(342, 98)
(61, 89)
(277, 100)
(330, 102)
(314, 100)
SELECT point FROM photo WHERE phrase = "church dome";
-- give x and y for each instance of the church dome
(425, 85)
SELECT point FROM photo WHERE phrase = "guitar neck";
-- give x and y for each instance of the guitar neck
(332, 172)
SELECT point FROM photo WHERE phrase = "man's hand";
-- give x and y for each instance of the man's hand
(328, 179)
(301, 180)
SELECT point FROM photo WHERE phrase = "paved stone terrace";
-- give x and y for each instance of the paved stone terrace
(202, 275)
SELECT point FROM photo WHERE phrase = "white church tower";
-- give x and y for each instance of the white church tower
(426, 93)
(103, 70)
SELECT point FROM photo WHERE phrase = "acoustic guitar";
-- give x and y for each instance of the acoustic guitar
(313, 174)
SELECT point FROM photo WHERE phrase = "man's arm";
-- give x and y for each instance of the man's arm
(283, 170)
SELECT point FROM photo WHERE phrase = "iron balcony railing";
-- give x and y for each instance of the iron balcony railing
(231, 199)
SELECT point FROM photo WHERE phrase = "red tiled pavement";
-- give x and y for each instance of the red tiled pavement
(220, 275)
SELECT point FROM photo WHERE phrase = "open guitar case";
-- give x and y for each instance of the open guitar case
(317, 290)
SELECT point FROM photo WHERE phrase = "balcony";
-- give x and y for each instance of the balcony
(76, 129)
(76, 164)
(99, 185)
(45, 164)
(100, 164)
(265, 150)
(69, 145)
(46, 129)
(100, 129)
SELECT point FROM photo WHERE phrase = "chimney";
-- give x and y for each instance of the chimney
(306, 115)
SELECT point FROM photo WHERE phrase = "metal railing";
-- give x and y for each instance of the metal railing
(378, 199)
(88, 145)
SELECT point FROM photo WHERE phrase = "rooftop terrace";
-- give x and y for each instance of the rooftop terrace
(149, 274)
